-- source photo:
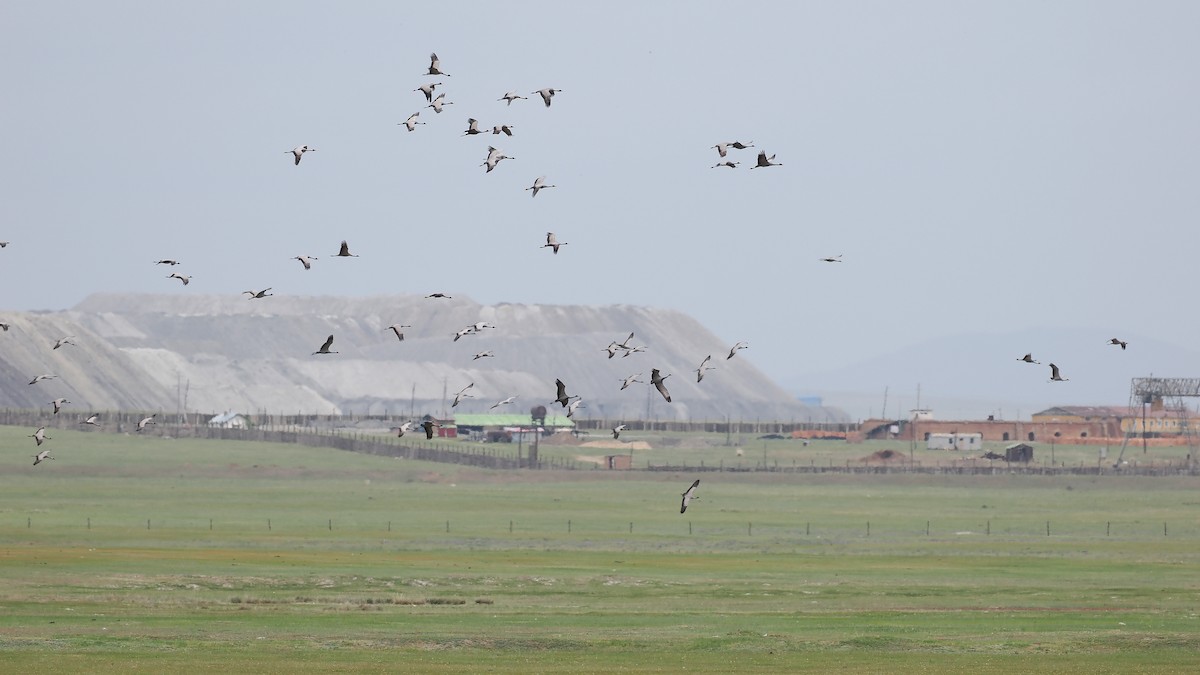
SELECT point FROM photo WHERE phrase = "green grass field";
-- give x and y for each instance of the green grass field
(163, 555)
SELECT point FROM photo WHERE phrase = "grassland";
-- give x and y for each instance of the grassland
(278, 558)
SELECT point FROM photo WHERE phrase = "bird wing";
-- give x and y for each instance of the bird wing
(328, 343)
(345, 250)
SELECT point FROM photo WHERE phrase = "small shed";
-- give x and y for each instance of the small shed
(618, 462)
(954, 441)
(229, 420)
(1018, 452)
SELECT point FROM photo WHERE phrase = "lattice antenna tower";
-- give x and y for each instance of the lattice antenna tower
(1159, 393)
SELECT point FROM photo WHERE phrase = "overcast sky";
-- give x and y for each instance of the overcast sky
(980, 166)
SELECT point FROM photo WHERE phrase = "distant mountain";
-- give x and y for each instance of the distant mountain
(234, 353)
(972, 376)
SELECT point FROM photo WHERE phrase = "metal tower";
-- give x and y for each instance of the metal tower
(1161, 393)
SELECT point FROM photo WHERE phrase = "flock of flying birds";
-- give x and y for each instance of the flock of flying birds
(1055, 373)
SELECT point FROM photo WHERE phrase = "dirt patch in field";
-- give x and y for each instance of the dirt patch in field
(884, 457)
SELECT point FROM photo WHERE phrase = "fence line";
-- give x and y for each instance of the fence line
(867, 529)
(414, 446)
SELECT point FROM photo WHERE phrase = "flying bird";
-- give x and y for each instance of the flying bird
(411, 123)
(703, 367)
(552, 241)
(483, 355)
(510, 97)
(547, 94)
(612, 349)
(624, 344)
(325, 347)
(299, 152)
(573, 406)
(185, 278)
(1055, 376)
(763, 161)
(395, 328)
(63, 341)
(435, 66)
(438, 103)
(404, 428)
(472, 127)
(463, 332)
(429, 426)
(616, 431)
(505, 129)
(539, 184)
(1028, 358)
(39, 378)
(1115, 341)
(306, 260)
(427, 89)
(689, 495)
(734, 350)
(732, 165)
(658, 382)
(40, 435)
(166, 262)
(836, 258)
(344, 251)
(722, 148)
(258, 294)
(462, 393)
(630, 380)
(43, 455)
(562, 396)
(58, 404)
(506, 401)
(633, 350)
(5, 326)
(439, 295)
(141, 425)
(92, 419)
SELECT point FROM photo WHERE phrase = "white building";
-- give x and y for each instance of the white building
(956, 441)
(229, 420)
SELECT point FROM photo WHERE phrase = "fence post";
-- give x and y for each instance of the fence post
(1164, 529)
(1047, 528)
(749, 529)
(389, 526)
(510, 527)
(689, 527)
(447, 526)
(331, 524)
(147, 523)
(806, 528)
(568, 526)
(927, 528)
(28, 522)
(209, 524)
(1108, 528)
(89, 523)
(268, 524)
(989, 527)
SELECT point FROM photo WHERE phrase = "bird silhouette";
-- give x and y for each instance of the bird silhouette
(540, 184)
(764, 161)
(546, 94)
(325, 347)
(552, 241)
(435, 66)
(658, 382)
(299, 152)
(689, 495)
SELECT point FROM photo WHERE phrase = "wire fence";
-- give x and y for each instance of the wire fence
(414, 446)
(910, 529)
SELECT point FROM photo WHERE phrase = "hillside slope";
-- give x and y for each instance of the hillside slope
(231, 353)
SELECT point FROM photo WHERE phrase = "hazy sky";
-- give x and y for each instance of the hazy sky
(981, 166)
